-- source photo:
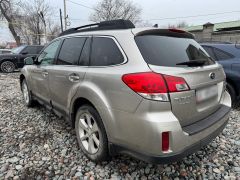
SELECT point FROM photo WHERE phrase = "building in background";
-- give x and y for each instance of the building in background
(219, 32)
(10, 45)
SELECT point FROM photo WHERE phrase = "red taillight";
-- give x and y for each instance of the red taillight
(153, 85)
(165, 141)
(145, 82)
(149, 85)
(176, 84)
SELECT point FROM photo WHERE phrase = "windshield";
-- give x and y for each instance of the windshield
(18, 49)
(170, 51)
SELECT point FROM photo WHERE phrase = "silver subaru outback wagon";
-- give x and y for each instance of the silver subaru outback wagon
(154, 94)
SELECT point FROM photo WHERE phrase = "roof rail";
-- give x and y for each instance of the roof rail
(215, 42)
(104, 25)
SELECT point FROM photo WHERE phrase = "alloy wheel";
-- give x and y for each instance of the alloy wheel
(89, 133)
(7, 66)
(25, 92)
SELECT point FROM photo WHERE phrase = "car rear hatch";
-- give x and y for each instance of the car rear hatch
(176, 53)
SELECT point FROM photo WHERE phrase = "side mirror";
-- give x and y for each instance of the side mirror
(29, 61)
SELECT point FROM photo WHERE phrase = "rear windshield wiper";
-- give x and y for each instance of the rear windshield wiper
(190, 63)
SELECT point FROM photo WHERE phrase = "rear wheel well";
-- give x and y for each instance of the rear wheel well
(78, 103)
(229, 81)
(22, 77)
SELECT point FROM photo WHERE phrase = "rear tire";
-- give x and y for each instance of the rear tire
(233, 95)
(27, 96)
(91, 134)
(7, 67)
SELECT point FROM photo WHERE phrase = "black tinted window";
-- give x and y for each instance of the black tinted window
(105, 52)
(39, 48)
(70, 51)
(221, 55)
(169, 51)
(84, 59)
(31, 50)
(210, 52)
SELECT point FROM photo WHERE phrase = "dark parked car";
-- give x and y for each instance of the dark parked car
(228, 55)
(14, 60)
(5, 51)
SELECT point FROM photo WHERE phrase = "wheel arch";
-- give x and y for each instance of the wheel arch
(80, 101)
(231, 82)
(103, 112)
(21, 78)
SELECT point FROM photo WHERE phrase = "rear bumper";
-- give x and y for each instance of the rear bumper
(207, 122)
(142, 139)
(171, 157)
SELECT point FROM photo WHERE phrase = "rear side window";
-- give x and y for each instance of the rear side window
(70, 51)
(30, 50)
(169, 51)
(221, 55)
(105, 52)
(210, 51)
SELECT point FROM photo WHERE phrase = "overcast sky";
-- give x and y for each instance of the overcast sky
(160, 9)
(173, 11)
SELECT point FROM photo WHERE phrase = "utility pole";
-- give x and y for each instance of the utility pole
(45, 27)
(38, 31)
(61, 19)
(65, 15)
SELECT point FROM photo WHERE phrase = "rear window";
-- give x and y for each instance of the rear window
(169, 51)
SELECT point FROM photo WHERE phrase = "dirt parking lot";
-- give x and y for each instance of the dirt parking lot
(36, 144)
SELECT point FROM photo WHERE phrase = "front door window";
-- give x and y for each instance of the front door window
(48, 54)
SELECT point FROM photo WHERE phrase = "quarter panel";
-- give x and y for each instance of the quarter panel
(108, 85)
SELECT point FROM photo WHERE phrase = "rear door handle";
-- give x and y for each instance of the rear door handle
(73, 77)
(37, 71)
(44, 73)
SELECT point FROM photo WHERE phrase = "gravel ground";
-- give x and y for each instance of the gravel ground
(36, 144)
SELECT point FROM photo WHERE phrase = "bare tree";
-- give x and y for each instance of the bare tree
(54, 30)
(29, 22)
(37, 21)
(9, 10)
(116, 9)
(182, 24)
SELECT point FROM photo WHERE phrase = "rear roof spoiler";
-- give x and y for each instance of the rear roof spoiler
(166, 32)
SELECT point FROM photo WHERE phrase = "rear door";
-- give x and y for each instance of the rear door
(68, 71)
(164, 54)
